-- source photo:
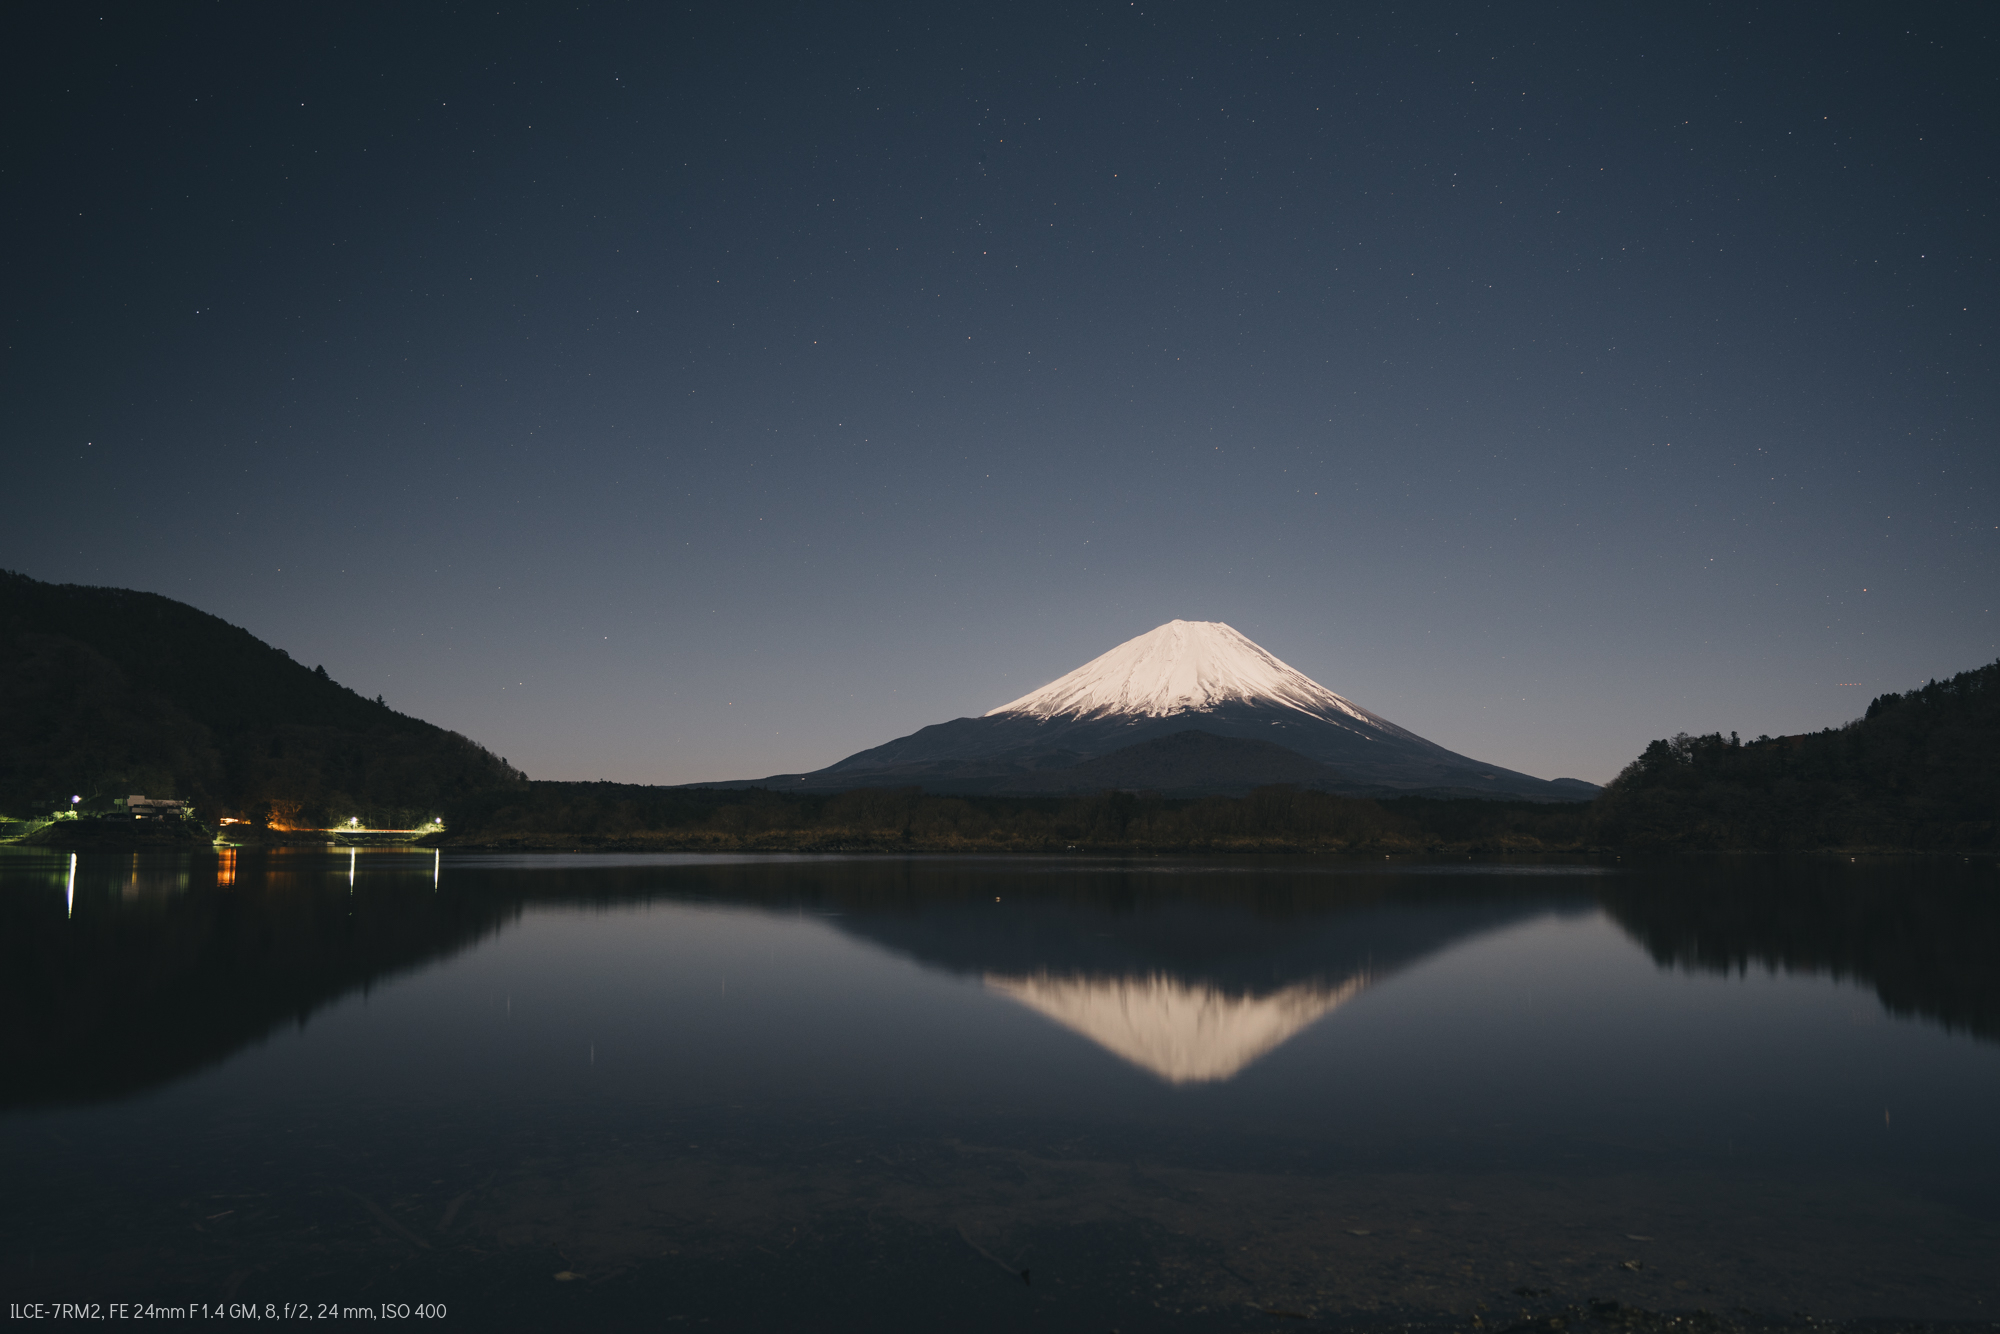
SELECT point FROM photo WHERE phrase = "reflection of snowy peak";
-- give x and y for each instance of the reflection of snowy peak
(1180, 666)
(1184, 1033)
(1176, 968)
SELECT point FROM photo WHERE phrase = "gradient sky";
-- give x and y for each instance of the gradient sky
(667, 395)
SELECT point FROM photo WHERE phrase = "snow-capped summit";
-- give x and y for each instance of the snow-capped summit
(1181, 667)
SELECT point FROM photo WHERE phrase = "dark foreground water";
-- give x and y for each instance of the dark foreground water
(862, 1093)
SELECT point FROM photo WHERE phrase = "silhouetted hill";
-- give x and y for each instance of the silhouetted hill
(1920, 770)
(110, 692)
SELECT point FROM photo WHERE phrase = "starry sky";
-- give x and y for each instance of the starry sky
(665, 394)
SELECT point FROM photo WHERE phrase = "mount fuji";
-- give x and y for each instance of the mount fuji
(1190, 707)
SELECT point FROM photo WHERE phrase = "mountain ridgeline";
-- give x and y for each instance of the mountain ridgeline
(110, 692)
(1188, 738)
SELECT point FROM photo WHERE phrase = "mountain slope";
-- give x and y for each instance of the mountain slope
(110, 692)
(1184, 675)
(1188, 763)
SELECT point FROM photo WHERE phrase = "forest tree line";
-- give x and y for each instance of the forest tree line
(1273, 819)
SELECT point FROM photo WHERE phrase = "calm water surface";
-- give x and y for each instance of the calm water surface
(858, 1093)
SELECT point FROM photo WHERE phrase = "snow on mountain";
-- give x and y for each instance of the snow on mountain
(1180, 667)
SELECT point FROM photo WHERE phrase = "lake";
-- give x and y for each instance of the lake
(935, 1093)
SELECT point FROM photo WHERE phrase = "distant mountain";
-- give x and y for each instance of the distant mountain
(109, 692)
(1191, 707)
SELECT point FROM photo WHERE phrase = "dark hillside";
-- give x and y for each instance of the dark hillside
(109, 692)
(1920, 770)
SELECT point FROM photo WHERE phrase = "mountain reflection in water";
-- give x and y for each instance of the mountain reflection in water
(1184, 1034)
(848, 1093)
(1923, 934)
(146, 969)
(152, 967)
(1184, 980)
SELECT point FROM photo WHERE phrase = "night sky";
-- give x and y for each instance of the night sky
(664, 395)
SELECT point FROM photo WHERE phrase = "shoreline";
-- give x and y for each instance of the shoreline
(553, 846)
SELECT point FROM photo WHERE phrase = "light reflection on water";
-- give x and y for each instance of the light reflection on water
(759, 1090)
